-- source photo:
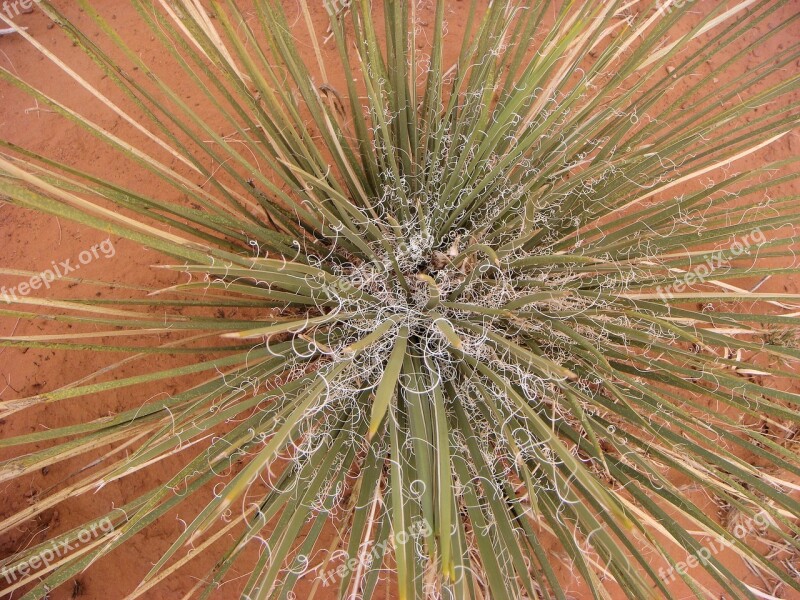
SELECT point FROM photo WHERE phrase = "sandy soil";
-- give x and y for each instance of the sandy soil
(31, 241)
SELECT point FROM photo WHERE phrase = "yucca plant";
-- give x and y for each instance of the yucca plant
(489, 315)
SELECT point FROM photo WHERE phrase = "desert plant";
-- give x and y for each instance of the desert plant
(470, 305)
